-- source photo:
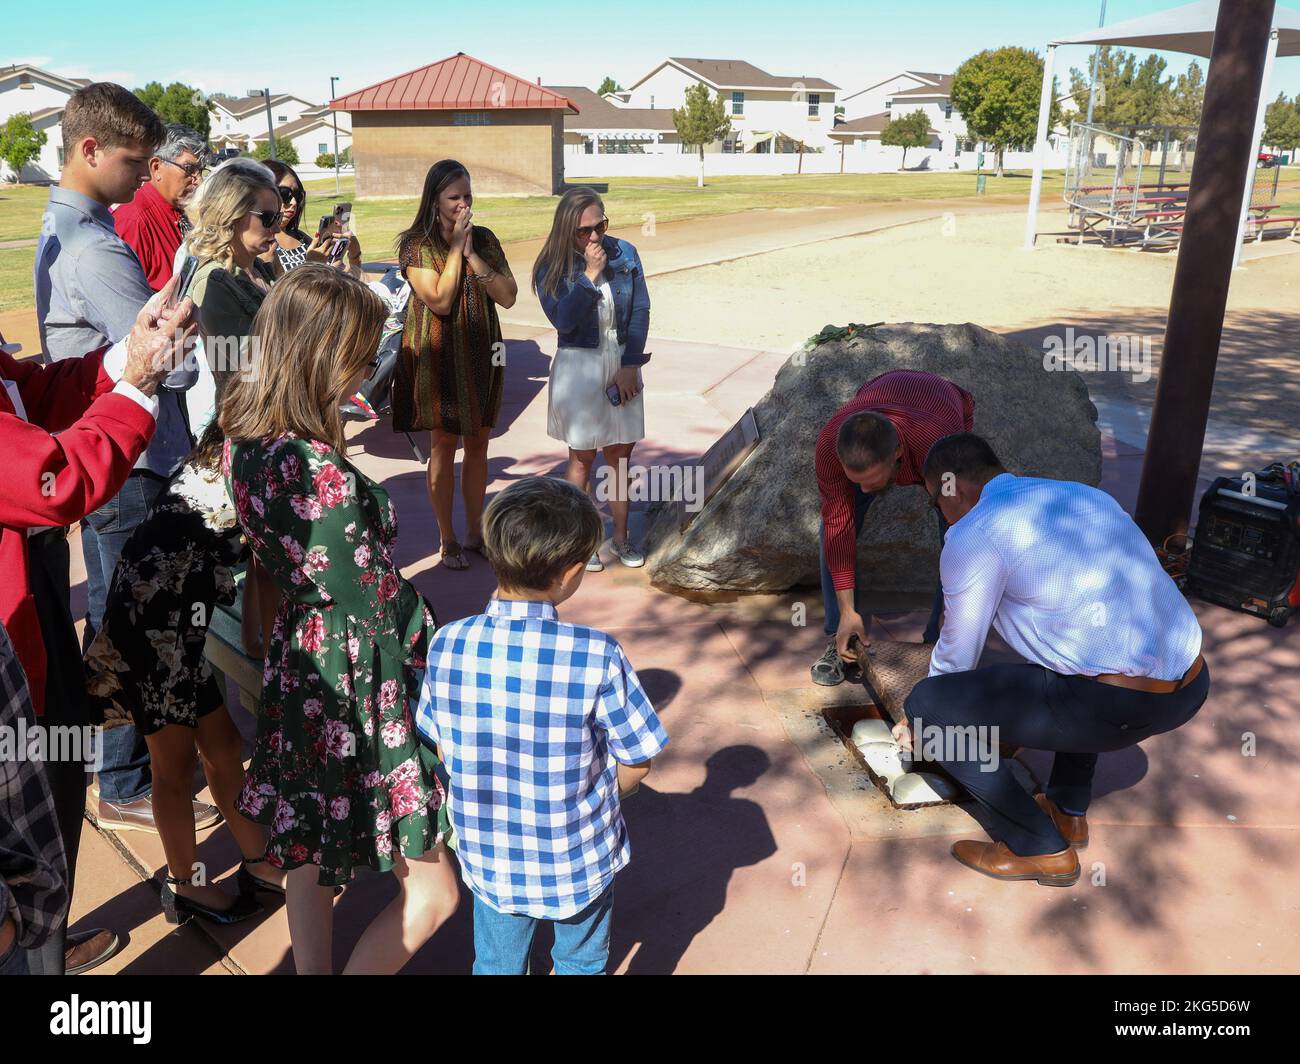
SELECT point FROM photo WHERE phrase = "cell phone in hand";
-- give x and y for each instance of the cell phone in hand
(336, 252)
(614, 395)
(326, 220)
(188, 269)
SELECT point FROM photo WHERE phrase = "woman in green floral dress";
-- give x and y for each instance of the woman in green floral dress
(338, 772)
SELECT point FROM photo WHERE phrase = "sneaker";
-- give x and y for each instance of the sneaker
(594, 564)
(828, 670)
(629, 555)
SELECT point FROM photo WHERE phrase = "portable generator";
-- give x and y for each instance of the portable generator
(1246, 554)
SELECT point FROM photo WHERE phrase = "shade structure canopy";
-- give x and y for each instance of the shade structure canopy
(1189, 29)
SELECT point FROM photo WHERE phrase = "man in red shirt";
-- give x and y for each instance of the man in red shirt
(877, 439)
(151, 224)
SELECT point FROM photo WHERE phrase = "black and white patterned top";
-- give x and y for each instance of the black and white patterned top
(291, 258)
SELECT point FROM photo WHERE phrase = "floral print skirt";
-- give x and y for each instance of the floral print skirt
(339, 772)
(146, 664)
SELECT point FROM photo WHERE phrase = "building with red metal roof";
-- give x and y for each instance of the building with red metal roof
(509, 132)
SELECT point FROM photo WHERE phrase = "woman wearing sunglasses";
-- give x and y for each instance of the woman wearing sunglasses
(293, 246)
(147, 665)
(593, 290)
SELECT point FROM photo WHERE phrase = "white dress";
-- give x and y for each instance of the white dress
(578, 411)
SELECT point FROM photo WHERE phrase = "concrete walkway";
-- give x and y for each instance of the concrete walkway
(757, 846)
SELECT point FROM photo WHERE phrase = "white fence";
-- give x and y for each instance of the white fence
(863, 158)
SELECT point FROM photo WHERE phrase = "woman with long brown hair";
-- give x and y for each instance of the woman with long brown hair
(592, 288)
(338, 771)
(451, 372)
(146, 665)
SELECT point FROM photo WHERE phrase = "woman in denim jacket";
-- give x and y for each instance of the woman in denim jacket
(593, 290)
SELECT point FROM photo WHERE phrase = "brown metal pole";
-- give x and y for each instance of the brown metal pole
(1204, 270)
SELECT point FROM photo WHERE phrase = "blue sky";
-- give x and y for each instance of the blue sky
(235, 45)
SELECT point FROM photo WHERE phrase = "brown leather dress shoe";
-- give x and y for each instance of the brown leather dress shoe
(89, 949)
(1074, 829)
(994, 859)
(138, 815)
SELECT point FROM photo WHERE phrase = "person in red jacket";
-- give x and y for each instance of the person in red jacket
(153, 223)
(70, 433)
(877, 439)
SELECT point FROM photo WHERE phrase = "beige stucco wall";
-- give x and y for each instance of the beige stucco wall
(516, 152)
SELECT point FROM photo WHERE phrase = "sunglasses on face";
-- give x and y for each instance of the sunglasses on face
(584, 231)
(269, 219)
(289, 195)
(191, 170)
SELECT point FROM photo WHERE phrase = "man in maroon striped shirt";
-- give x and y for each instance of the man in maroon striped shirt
(877, 439)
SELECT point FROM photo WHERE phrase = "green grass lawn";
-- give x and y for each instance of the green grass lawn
(16, 278)
(630, 200)
(21, 208)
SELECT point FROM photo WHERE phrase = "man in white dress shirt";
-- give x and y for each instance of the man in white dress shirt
(1112, 651)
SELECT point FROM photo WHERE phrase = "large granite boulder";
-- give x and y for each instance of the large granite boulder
(759, 531)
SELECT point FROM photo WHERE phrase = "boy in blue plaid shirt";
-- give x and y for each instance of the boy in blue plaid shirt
(543, 727)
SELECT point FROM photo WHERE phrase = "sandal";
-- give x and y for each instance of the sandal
(477, 548)
(453, 556)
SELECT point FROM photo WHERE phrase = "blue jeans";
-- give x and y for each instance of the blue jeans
(862, 500)
(14, 962)
(502, 941)
(1031, 706)
(125, 775)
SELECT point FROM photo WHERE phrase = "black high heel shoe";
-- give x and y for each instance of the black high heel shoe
(250, 884)
(177, 909)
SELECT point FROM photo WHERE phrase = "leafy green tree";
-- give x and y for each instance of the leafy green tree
(996, 93)
(1138, 95)
(608, 85)
(701, 121)
(908, 131)
(179, 102)
(284, 151)
(20, 143)
(1188, 97)
(1282, 124)
(325, 160)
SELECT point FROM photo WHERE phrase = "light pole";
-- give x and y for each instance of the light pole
(337, 193)
(270, 128)
(1096, 57)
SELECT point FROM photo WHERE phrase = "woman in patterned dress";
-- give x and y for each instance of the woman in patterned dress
(338, 771)
(451, 371)
(146, 664)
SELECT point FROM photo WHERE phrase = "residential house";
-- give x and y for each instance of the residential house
(602, 127)
(768, 112)
(41, 94)
(237, 123)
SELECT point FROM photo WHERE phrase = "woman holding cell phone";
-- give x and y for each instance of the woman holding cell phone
(330, 242)
(592, 288)
(451, 372)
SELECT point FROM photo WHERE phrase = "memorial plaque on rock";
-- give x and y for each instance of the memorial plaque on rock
(719, 462)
